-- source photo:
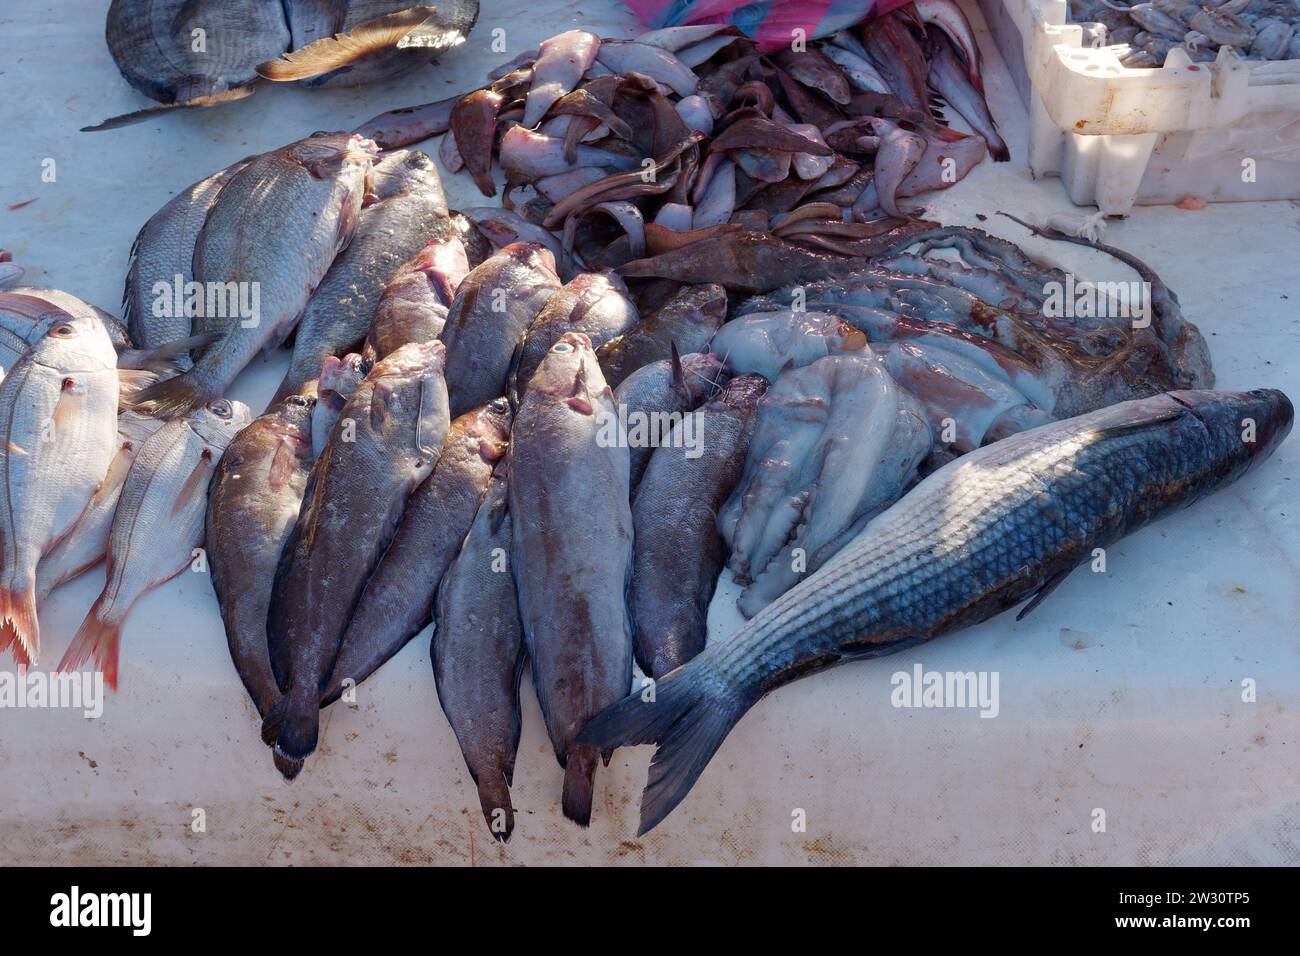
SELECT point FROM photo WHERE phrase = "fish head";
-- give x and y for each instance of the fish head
(571, 374)
(488, 429)
(339, 377)
(71, 342)
(445, 264)
(414, 360)
(403, 171)
(219, 421)
(1245, 427)
(743, 391)
(700, 374)
(532, 255)
(328, 155)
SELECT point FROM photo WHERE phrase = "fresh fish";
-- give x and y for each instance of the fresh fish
(162, 264)
(409, 125)
(505, 226)
(398, 600)
(893, 49)
(339, 379)
(58, 436)
(377, 40)
(597, 304)
(949, 81)
(813, 69)
(157, 525)
(660, 390)
(686, 322)
(629, 56)
(415, 303)
(252, 506)
(478, 656)
(274, 230)
(948, 17)
(770, 342)
(679, 552)
(566, 476)
(979, 536)
(473, 124)
(526, 155)
(899, 152)
(859, 71)
(85, 545)
(411, 209)
(493, 307)
(561, 62)
(353, 502)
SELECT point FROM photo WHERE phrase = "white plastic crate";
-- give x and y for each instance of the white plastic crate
(1222, 132)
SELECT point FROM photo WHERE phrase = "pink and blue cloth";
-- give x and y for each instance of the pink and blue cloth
(772, 23)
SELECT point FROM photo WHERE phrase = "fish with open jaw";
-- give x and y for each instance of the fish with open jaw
(157, 525)
(85, 545)
(478, 656)
(163, 252)
(493, 306)
(410, 209)
(398, 600)
(353, 503)
(274, 230)
(597, 304)
(415, 303)
(58, 435)
(1005, 523)
(679, 552)
(252, 506)
(572, 553)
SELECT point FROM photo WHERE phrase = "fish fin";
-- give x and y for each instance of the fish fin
(1050, 585)
(162, 358)
(692, 713)
(272, 720)
(21, 627)
(199, 102)
(65, 408)
(195, 487)
(1122, 428)
(173, 397)
(579, 783)
(344, 49)
(494, 798)
(284, 463)
(96, 640)
(9, 639)
(289, 767)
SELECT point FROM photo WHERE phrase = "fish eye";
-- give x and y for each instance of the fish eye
(221, 408)
(561, 347)
(63, 330)
(499, 405)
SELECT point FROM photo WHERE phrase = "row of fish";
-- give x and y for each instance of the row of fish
(189, 54)
(1253, 29)
(635, 151)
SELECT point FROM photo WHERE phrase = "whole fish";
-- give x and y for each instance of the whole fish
(597, 304)
(415, 303)
(561, 62)
(893, 49)
(162, 259)
(157, 525)
(493, 306)
(473, 124)
(252, 506)
(899, 151)
(679, 552)
(659, 390)
(949, 80)
(353, 502)
(410, 209)
(398, 600)
(685, 322)
(526, 155)
(410, 124)
(629, 56)
(478, 656)
(58, 435)
(271, 235)
(979, 536)
(339, 378)
(85, 545)
(572, 552)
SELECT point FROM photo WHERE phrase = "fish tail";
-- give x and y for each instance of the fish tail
(98, 640)
(579, 783)
(21, 630)
(272, 720)
(494, 798)
(692, 712)
(173, 397)
(296, 740)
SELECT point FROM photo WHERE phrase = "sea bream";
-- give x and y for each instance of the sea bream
(353, 503)
(157, 525)
(1003, 524)
(58, 435)
(398, 599)
(267, 243)
(252, 506)
(572, 552)
(414, 305)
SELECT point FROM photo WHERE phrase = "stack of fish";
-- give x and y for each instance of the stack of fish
(83, 483)
(687, 144)
(189, 54)
(1253, 29)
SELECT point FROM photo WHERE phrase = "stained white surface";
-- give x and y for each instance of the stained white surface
(1121, 692)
